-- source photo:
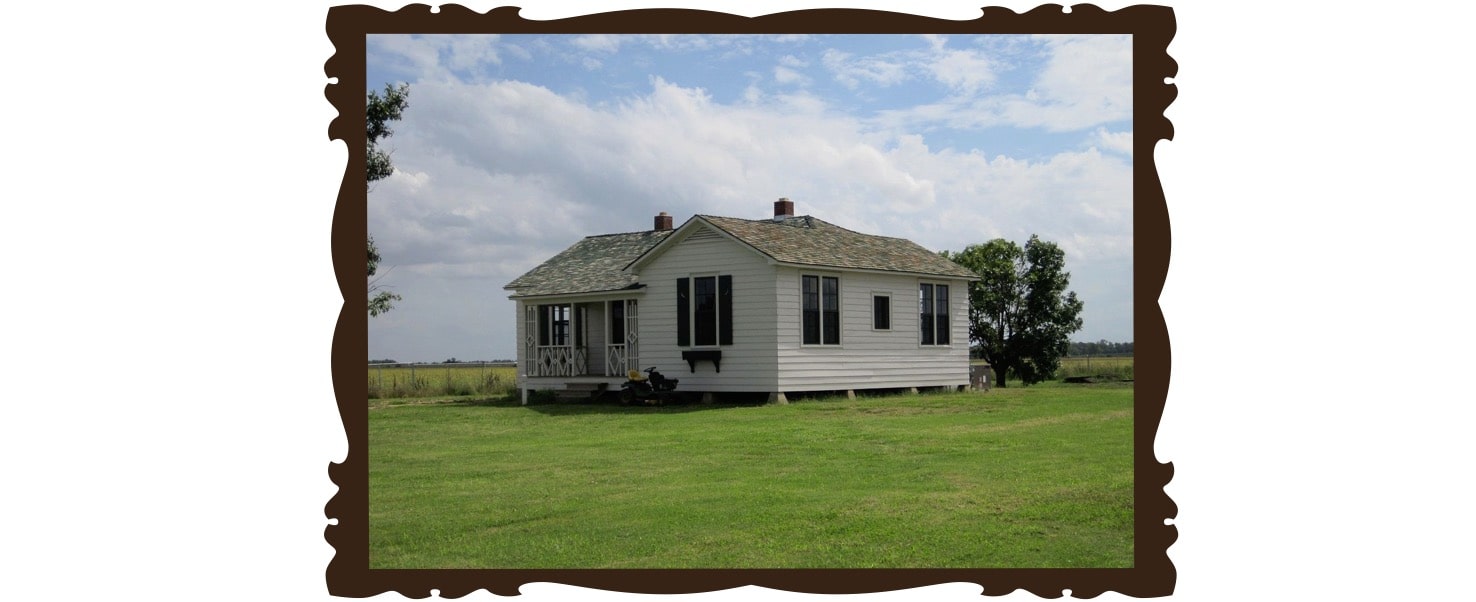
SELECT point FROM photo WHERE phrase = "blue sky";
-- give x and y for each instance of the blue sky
(516, 146)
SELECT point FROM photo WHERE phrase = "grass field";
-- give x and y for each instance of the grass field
(1019, 477)
(436, 380)
(1114, 367)
(1118, 368)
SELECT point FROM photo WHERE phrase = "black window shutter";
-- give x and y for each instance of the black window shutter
(684, 309)
(725, 310)
(942, 319)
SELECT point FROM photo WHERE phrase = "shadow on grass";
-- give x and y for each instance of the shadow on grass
(546, 403)
(610, 404)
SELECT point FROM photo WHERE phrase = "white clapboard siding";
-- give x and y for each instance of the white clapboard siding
(868, 358)
(749, 363)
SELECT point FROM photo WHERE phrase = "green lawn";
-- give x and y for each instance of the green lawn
(1019, 477)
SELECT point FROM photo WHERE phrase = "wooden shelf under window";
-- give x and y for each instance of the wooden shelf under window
(704, 355)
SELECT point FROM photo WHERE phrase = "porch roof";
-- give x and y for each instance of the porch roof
(592, 265)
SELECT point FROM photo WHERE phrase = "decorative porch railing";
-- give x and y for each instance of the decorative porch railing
(616, 363)
(560, 360)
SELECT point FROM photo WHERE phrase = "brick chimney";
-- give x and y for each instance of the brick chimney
(783, 208)
(663, 221)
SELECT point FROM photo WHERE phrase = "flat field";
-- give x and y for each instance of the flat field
(1035, 476)
(1106, 368)
(1110, 367)
(439, 380)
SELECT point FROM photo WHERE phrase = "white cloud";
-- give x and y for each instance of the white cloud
(752, 94)
(496, 177)
(434, 56)
(1089, 78)
(787, 71)
(602, 42)
(850, 71)
(1119, 142)
(785, 75)
(731, 44)
(1086, 81)
(471, 52)
(963, 70)
(935, 41)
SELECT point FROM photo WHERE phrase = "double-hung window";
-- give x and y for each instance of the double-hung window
(820, 308)
(705, 311)
(933, 313)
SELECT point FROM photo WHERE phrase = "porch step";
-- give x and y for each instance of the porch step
(580, 391)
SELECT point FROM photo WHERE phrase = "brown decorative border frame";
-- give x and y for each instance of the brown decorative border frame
(1152, 575)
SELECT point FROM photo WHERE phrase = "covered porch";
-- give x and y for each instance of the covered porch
(589, 338)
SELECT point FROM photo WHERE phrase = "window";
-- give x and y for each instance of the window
(704, 304)
(705, 309)
(617, 322)
(820, 308)
(553, 325)
(933, 313)
(881, 312)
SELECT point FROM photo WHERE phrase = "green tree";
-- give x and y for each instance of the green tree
(379, 301)
(379, 112)
(1020, 314)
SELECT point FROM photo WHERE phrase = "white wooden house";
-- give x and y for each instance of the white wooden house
(783, 304)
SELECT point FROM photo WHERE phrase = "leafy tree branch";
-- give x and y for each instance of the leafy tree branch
(379, 112)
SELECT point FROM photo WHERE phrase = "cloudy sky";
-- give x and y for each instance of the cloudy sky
(515, 146)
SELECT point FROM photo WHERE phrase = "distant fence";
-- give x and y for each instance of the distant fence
(423, 380)
(1110, 366)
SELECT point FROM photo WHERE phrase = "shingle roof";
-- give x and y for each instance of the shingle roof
(806, 240)
(593, 264)
(597, 263)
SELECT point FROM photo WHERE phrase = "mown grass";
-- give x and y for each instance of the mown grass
(1019, 477)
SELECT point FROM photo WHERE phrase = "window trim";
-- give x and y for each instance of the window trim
(840, 326)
